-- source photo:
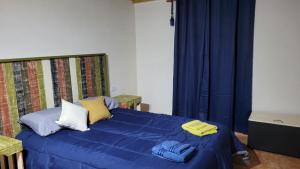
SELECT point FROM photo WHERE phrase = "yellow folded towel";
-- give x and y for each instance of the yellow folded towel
(198, 128)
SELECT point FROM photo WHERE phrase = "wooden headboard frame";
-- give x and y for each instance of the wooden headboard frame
(49, 57)
(32, 84)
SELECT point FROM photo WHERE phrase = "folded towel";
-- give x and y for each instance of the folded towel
(159, 151)
(199, 128)
(201, 134)
(175, 146)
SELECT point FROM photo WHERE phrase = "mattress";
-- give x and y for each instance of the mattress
(125, 142)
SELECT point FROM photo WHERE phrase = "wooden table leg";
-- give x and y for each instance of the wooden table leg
(11, 164)
(2, 162)
(20, 160)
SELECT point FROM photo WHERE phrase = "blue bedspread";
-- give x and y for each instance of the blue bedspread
(125, 142)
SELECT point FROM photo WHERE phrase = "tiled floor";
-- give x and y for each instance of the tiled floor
(264, 160)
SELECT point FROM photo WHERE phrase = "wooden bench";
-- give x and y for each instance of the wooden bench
(9, 147)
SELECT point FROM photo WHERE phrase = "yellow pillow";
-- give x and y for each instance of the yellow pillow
(97, 109)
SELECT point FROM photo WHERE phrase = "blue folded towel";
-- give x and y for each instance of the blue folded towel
(175, 146)
(161, 152)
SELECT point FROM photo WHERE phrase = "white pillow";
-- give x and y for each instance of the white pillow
(73, 116)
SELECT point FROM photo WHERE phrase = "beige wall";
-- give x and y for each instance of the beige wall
(276, 78)
(30, 28)
(154, 51)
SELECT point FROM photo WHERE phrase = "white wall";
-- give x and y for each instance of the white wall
(30, 28)
(276, 79)
(154, 51)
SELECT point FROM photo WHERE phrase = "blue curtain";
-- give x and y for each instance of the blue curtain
(213, 61)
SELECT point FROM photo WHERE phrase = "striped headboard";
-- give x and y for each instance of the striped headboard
(61, 80)
(91, 79)
(32, 84)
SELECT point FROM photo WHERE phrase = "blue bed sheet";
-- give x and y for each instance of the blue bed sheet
(125, 142)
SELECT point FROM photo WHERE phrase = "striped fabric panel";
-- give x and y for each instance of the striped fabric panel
(33, 85)
(83, 78)
(92, 76)
(14, 113)
(22, 87)
(89, 76)
(41, 85)
(28, 82)
(21, 92)
(4, 105)
(61, 79)
(104, 76)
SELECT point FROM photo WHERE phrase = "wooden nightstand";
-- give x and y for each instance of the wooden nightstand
(10, 147)
(128, 101)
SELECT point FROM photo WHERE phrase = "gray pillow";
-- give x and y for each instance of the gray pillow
(110, 102)
(43, 122)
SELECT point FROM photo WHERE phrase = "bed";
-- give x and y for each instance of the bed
(125, 142)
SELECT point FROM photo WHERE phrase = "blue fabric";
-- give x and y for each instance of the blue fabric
(125, 142)
(175, 146)
(213, 61)
(187, 154)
